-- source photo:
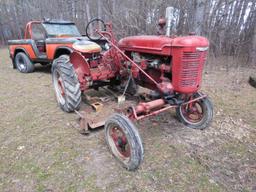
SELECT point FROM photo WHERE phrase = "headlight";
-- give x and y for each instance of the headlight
(202, 48)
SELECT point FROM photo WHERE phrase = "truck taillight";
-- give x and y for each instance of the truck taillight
(187, 71)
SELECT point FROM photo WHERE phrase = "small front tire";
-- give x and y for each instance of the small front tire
(66, 84)
(124, 141)
(196, 115)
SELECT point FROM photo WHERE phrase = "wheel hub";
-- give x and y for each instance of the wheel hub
(61, 86)
(120, 142)
(193, 112)
(21, 63)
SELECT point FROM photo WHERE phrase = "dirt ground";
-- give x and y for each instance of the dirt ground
(40, 150)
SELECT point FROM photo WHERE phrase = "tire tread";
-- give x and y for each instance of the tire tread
(70, 81)
(132, 133)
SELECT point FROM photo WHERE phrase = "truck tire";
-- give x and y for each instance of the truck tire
(252, 81)
(199, 117)
(66, 84)
(23, 63)
(124, 141)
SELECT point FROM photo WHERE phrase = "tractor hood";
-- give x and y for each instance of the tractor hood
(161, 45)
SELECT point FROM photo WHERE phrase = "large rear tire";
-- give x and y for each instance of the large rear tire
(23, 63)
(66, 84)
(124, 141)
(197, 115)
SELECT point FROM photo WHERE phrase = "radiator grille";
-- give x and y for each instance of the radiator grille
(191, 68)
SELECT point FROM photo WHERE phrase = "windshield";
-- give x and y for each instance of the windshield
(61, 29)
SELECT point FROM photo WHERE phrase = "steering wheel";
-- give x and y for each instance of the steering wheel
(92, 26)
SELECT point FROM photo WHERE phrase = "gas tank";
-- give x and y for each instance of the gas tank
(160, 45)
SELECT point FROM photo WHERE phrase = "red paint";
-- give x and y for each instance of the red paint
(187, 63)
(159, 45)
(28, 30)
(49, 49)
(147, 107)
(143, 110)
(29, 49)
(187, 70)
(120, 141)
(180, 62)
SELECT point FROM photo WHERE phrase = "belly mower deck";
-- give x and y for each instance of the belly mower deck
(98, 106)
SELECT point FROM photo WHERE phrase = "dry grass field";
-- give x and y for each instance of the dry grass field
(40, 150)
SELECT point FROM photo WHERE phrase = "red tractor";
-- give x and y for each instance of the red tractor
(171, 67)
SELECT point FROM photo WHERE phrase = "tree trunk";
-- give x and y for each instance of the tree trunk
(253, 50)
(99, 8)
(199, 16)
(88, 14)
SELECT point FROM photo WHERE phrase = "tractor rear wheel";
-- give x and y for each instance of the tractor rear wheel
(196, 115)
(23, 63)
(66, 84)
(124, 141)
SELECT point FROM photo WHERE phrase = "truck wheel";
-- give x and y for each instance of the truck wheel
(23, 63)
(252, 81)
(66, 84)
(124, 141)
(196, 115)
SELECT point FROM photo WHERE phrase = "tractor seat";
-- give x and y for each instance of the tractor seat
(86, 46)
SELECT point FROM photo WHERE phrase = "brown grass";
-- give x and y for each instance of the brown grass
(40, 150)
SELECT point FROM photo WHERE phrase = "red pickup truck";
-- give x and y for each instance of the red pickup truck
(44, 41)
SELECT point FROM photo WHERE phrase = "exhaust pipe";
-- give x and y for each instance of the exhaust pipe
(168, 16)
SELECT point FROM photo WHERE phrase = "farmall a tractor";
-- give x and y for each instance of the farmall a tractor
(169, 67)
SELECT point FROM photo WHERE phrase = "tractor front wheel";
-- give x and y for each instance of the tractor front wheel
(66, 84)
(124, 141)
(196, 115)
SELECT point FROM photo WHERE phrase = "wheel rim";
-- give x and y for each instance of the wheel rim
(59, 87)
(119, 143)
(193, 113)
(21, 63)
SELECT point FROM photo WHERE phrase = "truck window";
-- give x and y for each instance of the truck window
(38, 32)
(54, 30)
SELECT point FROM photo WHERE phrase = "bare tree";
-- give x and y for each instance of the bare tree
(228, 24)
